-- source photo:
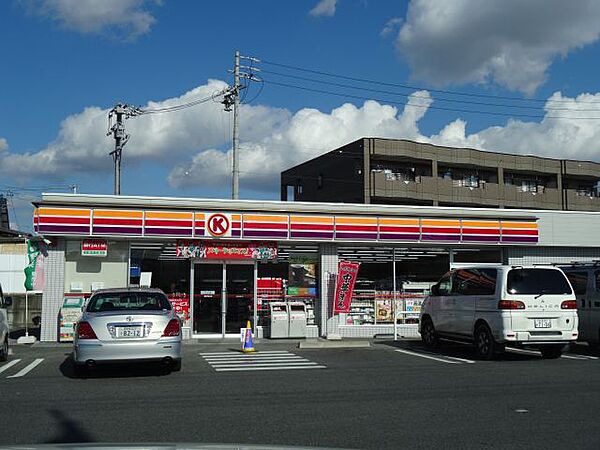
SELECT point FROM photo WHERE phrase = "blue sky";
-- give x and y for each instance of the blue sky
(64, 63)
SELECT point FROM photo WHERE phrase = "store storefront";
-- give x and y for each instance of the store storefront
(224, 262)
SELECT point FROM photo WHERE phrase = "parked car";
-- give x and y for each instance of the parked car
(4, 303)
(127, 325)
(585, 279)
(530, 306)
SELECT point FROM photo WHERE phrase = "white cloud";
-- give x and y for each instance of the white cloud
(298, 137)
(194, 144)
(130, 18)
(511, 43)
(391, 26)
(324, 8)
(82, 144)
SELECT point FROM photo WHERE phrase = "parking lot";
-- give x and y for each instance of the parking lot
(391, 395)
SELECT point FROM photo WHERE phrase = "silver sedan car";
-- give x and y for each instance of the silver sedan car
(127, 325)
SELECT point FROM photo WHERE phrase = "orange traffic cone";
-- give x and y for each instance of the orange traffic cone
(248, 346)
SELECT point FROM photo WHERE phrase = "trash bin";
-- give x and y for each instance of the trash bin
(298, 319)
(280, 326)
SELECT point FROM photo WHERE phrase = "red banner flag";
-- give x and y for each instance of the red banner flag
(344, 286)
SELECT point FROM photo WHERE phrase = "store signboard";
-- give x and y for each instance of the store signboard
(344, 286)
(262, 251)
(94, 247)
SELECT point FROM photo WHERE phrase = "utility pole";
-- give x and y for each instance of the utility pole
(120, 112)
(235, 179)
(232, 98)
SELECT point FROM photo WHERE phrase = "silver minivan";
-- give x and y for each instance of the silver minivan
(585, 278)
(502, 305)
(4, 303)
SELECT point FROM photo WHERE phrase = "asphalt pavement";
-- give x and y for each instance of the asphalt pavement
(392, 395)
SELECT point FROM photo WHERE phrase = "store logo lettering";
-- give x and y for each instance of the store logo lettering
(218, 225)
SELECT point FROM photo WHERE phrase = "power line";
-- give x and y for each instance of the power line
(414, 87)
(441, 108)
(417, 96)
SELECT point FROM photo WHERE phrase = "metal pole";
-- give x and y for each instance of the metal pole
(26, 312)
(236, 126)
(224, 300)
(395, 314)
(119, 135)
(255, 299)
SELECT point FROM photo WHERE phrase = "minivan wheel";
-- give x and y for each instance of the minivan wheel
(485, 346)
(551, 351)
(4, 350)
(428, 334)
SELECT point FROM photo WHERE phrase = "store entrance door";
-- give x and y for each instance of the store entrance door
(223, 298)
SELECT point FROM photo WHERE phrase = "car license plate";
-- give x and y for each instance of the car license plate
(130, 332)
(542, 323)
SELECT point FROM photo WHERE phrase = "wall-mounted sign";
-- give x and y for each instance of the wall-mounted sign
(218, 225)
(262, 251)
(94, 247)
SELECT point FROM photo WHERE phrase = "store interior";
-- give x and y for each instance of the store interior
(294, 277)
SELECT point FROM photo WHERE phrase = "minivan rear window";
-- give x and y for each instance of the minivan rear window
(537, 281)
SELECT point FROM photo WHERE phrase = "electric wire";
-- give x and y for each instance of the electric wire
(414, 87)
(417, 96)
(441, 108)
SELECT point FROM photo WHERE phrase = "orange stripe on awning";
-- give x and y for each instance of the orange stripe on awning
(199, 216)
(64, 212)
(481, 224)
(440, 223)
(117, 213)
(356, 220)
(254, 218)
(168, 215)
(410, 222)
(519, 225)
(312, 219)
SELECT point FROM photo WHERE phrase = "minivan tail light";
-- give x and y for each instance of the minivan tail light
(569, 304)
(511, 304)
(85, 331)
(172, 328)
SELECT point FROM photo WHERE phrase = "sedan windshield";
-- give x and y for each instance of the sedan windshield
(121, 301)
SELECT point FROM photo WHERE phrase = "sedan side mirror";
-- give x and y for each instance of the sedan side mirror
(7, 301)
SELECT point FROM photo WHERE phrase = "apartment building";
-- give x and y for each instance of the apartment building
(393, 171)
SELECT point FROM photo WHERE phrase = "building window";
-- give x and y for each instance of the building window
(299, 189)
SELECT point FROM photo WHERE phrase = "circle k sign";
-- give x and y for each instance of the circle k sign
(218, 225)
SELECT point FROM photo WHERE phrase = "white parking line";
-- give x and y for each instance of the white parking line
(24, 371)
(579, 357)
(421, 355)
(9, 365)
(468, 361)
(523, 351)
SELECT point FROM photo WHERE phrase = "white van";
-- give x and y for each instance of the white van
(495, 306)
(4, 303)
(585, 279)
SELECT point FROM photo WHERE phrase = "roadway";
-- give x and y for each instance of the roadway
(392, 395)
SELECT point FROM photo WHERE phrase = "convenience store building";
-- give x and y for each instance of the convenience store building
(223, 261)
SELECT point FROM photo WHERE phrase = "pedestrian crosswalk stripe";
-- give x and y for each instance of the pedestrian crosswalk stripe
(9, 365)
(239, 369)
(27, 368)
(273, 360)
(237, 354)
